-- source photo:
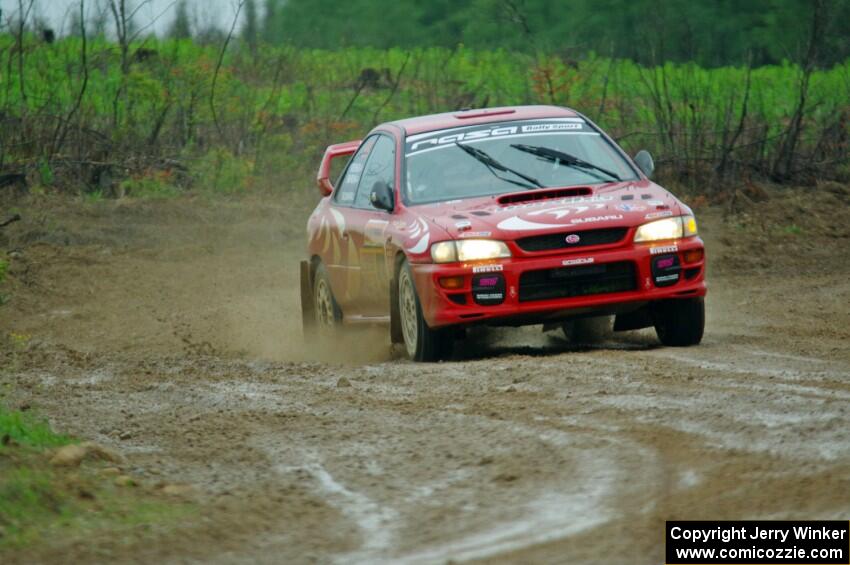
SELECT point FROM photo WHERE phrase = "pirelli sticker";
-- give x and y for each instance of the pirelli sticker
(445, 138)
(662, 250)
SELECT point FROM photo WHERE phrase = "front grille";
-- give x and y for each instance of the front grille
(553, 241)
(565, 282)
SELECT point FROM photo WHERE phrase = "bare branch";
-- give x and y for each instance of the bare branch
(144, 28)
(62, 126)
(219, 63)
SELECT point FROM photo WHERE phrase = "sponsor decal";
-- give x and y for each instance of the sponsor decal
(562, 211)
(570, 200)
(655, 202)
(665, 249)
(558, 208)
(573, 238)
(647, 284)
(339, 219)
(579, 261)
(513, 292)
(665, 278)
(662, 214)
(550, 127)
(488, 269)
(476, 234)
(488, 281)
(630, 208)
(422, 142)
(596, 219)
(515, 223)
(463, 225)
(489, 296)
(420, 230)
(666, 262)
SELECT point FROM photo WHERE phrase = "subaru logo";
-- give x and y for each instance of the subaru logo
(573, 238)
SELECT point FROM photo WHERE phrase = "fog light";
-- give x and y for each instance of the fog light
(693, 255)
(451, 283)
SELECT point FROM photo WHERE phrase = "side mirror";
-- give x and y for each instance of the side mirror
(382, 196)
(323, 180)
(644, 161)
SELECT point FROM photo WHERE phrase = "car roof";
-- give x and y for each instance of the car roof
(432, 122)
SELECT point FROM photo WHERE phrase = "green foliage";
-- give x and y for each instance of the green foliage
(37, 500)
(4, 266)
(26, 429)
(276, 109)
(708, 32)
(156, 184)
(181, 27)
(45, 173)
(222, 172)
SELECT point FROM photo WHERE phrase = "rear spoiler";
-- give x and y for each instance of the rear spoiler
(332, 152)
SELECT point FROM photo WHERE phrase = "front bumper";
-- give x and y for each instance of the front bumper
(443, 307)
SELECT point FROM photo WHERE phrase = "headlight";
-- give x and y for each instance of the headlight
(469, 250)
(668, 228)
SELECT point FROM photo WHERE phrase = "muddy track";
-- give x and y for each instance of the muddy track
(181, 336)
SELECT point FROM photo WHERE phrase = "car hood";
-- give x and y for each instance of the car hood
(514, 215)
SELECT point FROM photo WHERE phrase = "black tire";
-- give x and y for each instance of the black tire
(308, 306)
(420, 341)
(679, 323)
(588, 330)
(326, 310)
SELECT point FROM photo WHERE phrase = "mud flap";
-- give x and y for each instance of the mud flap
(635, 320)
(308, 313)
(396, 335)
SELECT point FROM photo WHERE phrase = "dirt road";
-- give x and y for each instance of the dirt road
(175, 327)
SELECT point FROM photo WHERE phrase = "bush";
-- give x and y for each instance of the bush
(156, 184)
(222, 172)
(273, 112)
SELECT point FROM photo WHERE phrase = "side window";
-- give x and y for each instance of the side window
(347, 187)
(379, 167)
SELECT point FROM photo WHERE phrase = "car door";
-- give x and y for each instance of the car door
(342, 257)
(368, 227)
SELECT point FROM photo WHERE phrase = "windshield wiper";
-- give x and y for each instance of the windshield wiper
(492, 164)
(566, 159)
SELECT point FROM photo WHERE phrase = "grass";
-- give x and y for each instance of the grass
(151, 129)
(4, 266)
(43, 506)
(24, 429)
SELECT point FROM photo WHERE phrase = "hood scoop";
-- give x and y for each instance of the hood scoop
(543, 194)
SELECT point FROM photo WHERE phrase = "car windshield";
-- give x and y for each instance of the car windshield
(491, 159)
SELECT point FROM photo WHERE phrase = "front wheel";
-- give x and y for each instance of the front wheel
(679, 323)
(421, 342)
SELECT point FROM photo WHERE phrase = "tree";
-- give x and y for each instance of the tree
(250, 29)
(181, 28)
(270, 30)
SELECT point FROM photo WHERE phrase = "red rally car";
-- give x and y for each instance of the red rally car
(501, 216)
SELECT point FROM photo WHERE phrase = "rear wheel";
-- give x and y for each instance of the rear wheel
(679, 323)
(328, 316)
(421, 342)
